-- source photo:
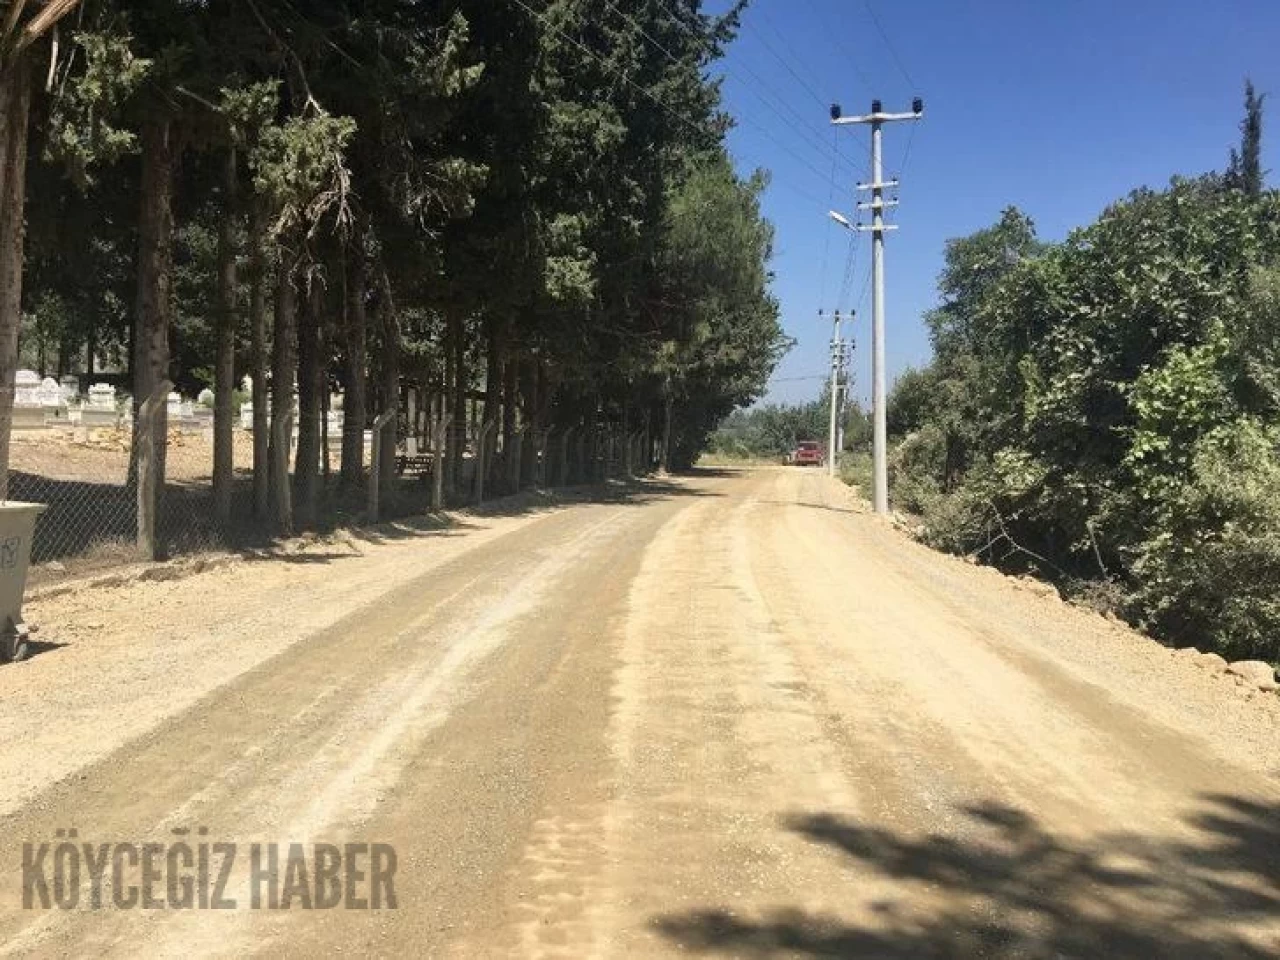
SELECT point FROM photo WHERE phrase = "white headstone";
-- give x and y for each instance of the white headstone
(174, 404)
(246, 384)
(49, 394)
(205, 398)
(101, 408)
(25, 385)
(246, 415)
(102, 395)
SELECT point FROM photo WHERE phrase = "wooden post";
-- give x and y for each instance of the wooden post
(149, 432)
(375, 479)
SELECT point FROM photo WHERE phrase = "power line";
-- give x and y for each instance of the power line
(782, 60)
(902, 167)
(802, 129)
(826, 236)
(850, 268)
(889, 45)
(840, 55)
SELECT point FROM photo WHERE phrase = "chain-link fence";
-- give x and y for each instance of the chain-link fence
(85, 473)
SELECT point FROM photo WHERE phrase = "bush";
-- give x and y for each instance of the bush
(855, 468)
(1209, 573)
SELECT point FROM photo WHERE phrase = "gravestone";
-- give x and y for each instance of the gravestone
(246, 415)
(205, 397)
(100, 411)
(26, 383)
(54, 404)
(28, 411)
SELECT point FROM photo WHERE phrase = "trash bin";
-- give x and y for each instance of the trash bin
(17, 526)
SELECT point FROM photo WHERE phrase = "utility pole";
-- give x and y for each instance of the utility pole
(846, 352)
(877, 118)
(835, 390)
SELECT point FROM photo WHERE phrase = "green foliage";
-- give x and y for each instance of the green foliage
(1211, 560)
(82, 132)
(300, 167)
(771, 430)
(1106, 409)
(1244, 169)
(551, 185)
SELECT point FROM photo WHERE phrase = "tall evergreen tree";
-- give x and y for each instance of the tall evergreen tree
(1244, 169)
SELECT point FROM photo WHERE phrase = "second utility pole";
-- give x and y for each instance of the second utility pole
(835, 391)
(878, 118)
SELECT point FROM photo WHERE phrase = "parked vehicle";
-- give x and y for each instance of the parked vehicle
(808, 453)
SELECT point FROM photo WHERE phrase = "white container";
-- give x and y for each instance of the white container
(17, 526)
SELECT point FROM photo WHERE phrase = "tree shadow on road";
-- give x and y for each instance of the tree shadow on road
(1018, 890)
(420, 526)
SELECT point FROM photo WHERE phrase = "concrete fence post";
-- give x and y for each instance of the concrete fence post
(482, 459)
(439, 441)
(150, 433)
(375, 469)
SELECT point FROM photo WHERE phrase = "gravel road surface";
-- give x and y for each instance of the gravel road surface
(727, 715)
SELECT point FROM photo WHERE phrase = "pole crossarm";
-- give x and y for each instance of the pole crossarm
(877, 118)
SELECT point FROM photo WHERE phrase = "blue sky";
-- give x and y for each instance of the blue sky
(1055, 107)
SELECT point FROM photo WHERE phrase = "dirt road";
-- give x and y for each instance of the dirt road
(731, 715)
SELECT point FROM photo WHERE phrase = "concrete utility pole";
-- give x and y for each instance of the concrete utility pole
(835, 392)
(846, 352)
(877, 118)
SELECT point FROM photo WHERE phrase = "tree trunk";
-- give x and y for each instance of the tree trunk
(451, 331)
(307, 461)
(459, 426)
(492, 395)
(326, 457)
(259, 325)
(284, 366)
(15, 103)
(390, 329)
(529, 420)
(664, 456)
(510, 384)
(151, 319)
(224, 377)
(355, 409)
(628, 448)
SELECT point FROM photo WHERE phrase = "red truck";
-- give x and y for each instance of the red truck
(808, 453)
